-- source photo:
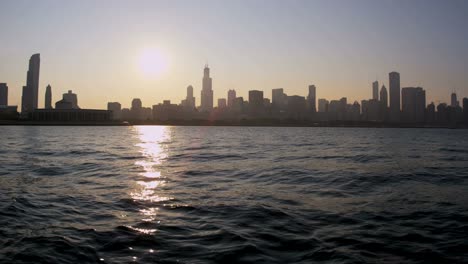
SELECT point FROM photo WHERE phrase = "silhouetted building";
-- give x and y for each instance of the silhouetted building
(116, 110)
(394, 78)
(311, 98)
(453, 100)
(255, 102)
(231, 97)
(383, 103)
(136, 111)
(442, 115)
(375, 90)
(48, 97)
(8, 112)
(63, 105)
(430, 116)
(3, 94)
(297, 107)
(354, 111)
(278, 99)
(70, 115)
(238, 106)
(370, 110)
(413, 104)
(207, 91)
(29, 98)
(72, 98)
(189, 101)
(167, 111)
(323, 105)
(222, 103)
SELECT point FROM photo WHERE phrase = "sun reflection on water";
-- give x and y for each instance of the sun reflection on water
(152, 144)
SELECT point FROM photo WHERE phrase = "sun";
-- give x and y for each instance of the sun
(152, 63)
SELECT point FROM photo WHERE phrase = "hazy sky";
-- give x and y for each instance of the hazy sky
(93, 47)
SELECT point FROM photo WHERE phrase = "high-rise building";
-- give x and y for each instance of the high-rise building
(72, 98)
(48, 97)
(190, 99)
(394, 79)
(207, 91)
(453, 100)
(311, 98)
(383, 103)
(116, 110)
(255, 102)
(3, 94)
(430, 113)
(279, 99)
(297, 106)
(222, 103)
(136, 111)
(375, 90)
(231, 97)
(323, 105)
(413, 104)
(30, 91)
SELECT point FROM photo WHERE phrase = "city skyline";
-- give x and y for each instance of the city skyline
(326, 43)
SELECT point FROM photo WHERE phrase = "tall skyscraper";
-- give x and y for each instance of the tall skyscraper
(255, 102)
(375, 90)
(48, 97)
(453, 100)
(413, 104)
(231, 98)
(311, 98)
(394, 79)
(207, 91)
(72, 98)
(3, 94)
(383, 103)
(30, 91)
(190, 100)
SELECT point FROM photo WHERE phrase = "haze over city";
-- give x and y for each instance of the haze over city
(118, 50)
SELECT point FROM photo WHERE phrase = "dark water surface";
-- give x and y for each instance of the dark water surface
(233, 195)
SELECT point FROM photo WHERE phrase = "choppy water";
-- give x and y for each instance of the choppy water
(233, 195)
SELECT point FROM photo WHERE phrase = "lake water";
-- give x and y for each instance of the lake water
(154, 194)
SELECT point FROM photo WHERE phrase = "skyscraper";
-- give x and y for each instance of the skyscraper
(231, 97)
(3, 94)
(30, 91)
(207, 91)
(413, 104)
(311, 98)
(190, 100)
(278, 99)
(383, 103)
(48, 97)
(453, 100)
(255, 102)
(375, 90)
(394, 79)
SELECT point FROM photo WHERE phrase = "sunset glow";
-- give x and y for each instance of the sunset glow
(152, 63)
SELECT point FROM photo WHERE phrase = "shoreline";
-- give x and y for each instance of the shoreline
(239, 123)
